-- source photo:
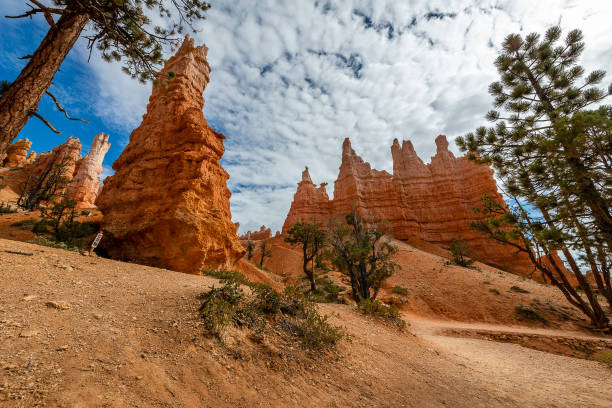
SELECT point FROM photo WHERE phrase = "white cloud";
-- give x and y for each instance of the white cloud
(291, 80)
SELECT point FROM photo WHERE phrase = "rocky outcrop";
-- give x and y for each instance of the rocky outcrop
(65, 155)
(432, 202)
(86, 181)
(167, 204)
(17, 153)
(263, 233)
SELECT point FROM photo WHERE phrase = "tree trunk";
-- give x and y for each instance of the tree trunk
(23, 96)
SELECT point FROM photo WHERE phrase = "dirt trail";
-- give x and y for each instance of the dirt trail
(77, 331)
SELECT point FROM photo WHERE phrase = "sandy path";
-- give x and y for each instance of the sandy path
(129, 336)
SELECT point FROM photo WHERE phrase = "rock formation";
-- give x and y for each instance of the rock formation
(431, 202)
(86, 181)
(167, 204)
(17, 153)
(263, 233)
(66, 154)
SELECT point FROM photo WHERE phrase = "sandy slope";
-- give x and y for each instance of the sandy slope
(126, 335)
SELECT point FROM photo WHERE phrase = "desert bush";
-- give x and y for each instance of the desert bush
(226, 275)
(40, 227)
(40, 240)
(494, 291)
(26, 224)
(5, 208)
(518, 289)
(316, 333)
(289, 311)
(219, 305)
(525, 312)
(387, 313)
(400, 290)
(461, 253)
(604, 357)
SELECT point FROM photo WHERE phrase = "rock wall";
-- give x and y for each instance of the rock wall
(431, 202)
(67, 154)
(167, 204)
(17, 153)
(263, 233)
(86, 181)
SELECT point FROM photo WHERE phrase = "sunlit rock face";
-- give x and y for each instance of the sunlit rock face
(85, 184)
(432, 202)
(167, 204)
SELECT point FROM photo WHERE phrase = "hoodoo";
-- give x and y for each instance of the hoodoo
(167, 204)
(431, 202)
(86, 182)
(17, 153)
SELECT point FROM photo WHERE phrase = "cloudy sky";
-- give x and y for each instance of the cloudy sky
(291, 79)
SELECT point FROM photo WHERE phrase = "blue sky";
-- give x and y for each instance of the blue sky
(290, 80)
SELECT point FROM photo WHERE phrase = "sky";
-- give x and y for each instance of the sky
(291, 79)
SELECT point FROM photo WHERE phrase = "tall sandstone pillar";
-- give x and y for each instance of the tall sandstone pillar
(167, 204)
(85, 184)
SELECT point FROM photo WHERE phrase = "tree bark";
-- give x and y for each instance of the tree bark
(23, 96)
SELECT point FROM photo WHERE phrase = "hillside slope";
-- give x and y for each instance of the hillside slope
(87, 332)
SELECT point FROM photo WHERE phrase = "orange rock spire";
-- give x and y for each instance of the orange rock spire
(167, 205)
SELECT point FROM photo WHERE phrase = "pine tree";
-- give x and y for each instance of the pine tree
(266, 252)
(119, 29)
(312, 239)
(551, 154)
(360, 253)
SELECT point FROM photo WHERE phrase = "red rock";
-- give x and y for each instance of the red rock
(66, 153)
(429, 202)
(17, 153)
(263, 233)
(167, 204)
(86, 181)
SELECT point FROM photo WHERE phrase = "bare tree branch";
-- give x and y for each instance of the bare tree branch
(25, 57)
(62, 109)
(45, 121)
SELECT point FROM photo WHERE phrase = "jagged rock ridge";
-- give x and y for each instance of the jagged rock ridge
(431, 202)
(167, 204)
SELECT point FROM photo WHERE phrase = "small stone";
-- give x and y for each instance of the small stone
(29, 333)
(60, 305)
(62, 348)
(29, 297)
(97, 316)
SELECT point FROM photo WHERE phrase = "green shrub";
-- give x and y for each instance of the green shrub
(289, 311)
(604, 357)
(316, 332)
(494, 291)
(461, 253)
(26, 224)
(219, 306)
(39, 240)
(528, 313)
(518, 289)
(41, 227)
(400, 290)
(226, 275)
(6, 208)
(378, 309)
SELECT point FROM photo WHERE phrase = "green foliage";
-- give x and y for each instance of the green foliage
(226, 275)
(400, 290)
(266, 252)
(327, 290)
(316, 332)
(26, 224)
(525, 312)
(553, 158)
(312, 239)
(5, 208)
(518, 289)
(290, 312)
(4, 86)
(360, 253)
(40, 227)
(461, 253)
(40, 240)
(387, 313)
(250, 248)
(604, 357)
